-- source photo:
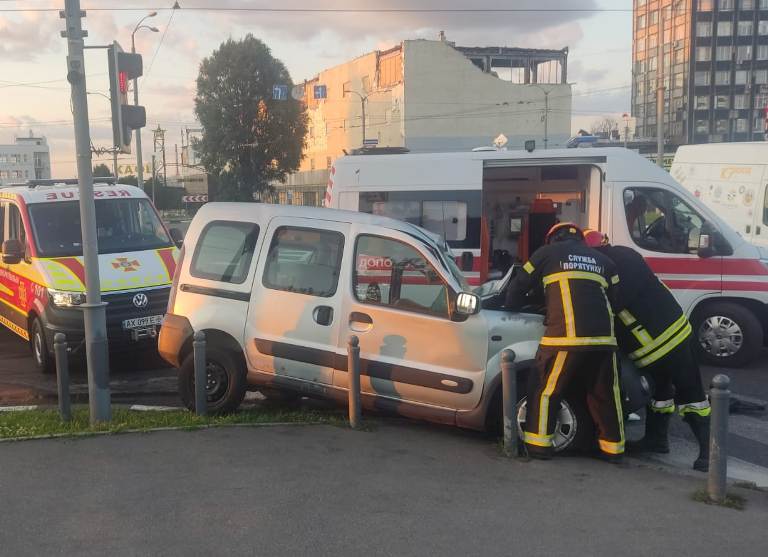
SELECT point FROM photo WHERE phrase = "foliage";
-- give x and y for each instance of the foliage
(605, 127)
(40, 423)
(101, 170)
(130, 180)
(248, 139)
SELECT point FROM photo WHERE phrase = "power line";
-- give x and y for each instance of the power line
(160, 44)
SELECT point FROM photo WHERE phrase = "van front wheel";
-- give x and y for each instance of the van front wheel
(225, 381)
(44, 362)
(727, 334)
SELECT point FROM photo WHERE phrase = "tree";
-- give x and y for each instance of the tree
(102, 171)
(604, 127)
(249, 139)
(130, 180)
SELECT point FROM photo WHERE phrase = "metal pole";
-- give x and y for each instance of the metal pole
(509, 401)
(154, 178)
(362, 102)
(353, 371)
(546, 119)
(62, 375)
(718, 438)
(114, 163)
(660, 92)
(94, 314)
(201, 374)
(139, 156)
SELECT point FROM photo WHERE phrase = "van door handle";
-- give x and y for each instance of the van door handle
(748, 228)
(360, 322)
(323, 315)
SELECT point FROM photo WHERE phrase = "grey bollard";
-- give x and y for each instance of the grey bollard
(201, 374)
(353, 374)
(62, 375)
(509, 402)
(719, 396)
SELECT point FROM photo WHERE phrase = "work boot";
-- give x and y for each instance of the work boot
(700, 427)
(656, 434)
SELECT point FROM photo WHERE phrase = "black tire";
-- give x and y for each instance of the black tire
(718, 327)
(226, 381)
(38, 345)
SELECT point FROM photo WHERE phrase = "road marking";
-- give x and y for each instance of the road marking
(149, 408)
(17, 408)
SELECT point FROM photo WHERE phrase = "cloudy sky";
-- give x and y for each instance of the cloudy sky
(34, 93)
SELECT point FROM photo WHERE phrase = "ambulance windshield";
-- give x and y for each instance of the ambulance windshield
(122, 224)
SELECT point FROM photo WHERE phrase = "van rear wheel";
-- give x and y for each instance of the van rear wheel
(42, 357)
(225, 381)
(726, 334)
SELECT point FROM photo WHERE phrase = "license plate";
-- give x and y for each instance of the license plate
(139, 322)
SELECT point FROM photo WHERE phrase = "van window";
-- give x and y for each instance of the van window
(392, 273)
(16, 225)
(305, 261)
(765, 207)
(224, 251)
(660, 221)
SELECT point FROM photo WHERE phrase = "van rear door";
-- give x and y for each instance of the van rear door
(294, 315)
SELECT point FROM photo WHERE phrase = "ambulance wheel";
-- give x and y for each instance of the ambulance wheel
(726, 334)
(225, 382)
(43, 358)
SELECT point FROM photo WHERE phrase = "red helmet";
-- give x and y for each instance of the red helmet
(564, 231)
(594, 238)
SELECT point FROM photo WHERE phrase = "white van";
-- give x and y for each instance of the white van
(494, 208)
(731, 179)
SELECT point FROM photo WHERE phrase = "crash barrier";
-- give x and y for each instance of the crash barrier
(718, 438)
(62, 375)
(353, 374)
(201, 374)
(509, 403)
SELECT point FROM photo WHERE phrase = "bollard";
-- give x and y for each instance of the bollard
(201, 374)
(62, 375)
(509, 402)
(718, 438)
(353, 373)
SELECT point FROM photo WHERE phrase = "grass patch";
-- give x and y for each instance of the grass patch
(36, 423)
(731, 501)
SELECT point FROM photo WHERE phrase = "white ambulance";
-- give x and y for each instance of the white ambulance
(731, 179)
(42, 278)
(494, 207)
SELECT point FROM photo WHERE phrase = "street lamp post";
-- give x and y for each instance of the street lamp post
(139, 158)
(363, 100)
(546, 112)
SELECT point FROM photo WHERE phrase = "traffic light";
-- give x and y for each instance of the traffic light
(124, 67)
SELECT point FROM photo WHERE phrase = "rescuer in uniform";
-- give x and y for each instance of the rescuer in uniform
(579, 342)
(653, 331)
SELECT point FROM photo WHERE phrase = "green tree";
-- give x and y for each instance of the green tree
(102, 171)
(249, 139)
(130, 180)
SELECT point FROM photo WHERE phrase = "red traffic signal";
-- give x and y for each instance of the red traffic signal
(123, 67)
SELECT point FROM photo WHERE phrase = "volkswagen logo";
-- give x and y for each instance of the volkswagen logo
(140, 300)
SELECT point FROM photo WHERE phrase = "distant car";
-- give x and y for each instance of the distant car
(278, 290)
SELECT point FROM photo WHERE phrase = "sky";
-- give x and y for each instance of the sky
(34, 94)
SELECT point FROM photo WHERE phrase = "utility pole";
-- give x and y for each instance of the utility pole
(94, 313)
(154, 178)
(626, 129)
(660, 92)
(159, 139)
(546, 112)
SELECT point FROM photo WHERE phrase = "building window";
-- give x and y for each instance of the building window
(721, 126)
(702, 78)
(654, 18)
(703, 54)
(762, 28)
(704, 29)
(723, 78)
(743, 53)
(759, 123)
(741, 77)
(640, 45)
(724, 28)
(760, 77)
(702, 102)
(742, 125)
(764, 4)
(741, 102)
(722, 101)
(747, 5)
(745, 28)
(706, 5)
(653, 41)
(641, 21)
(762, 52)
(726, 5)
(724, 53)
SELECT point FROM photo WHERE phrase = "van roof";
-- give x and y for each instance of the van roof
(250, 212)
(752, 152)
(620, 164)
(67, 192)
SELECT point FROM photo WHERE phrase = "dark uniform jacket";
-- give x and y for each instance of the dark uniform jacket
(579, 286)
(651, 322)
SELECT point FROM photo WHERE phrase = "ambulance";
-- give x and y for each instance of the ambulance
(494, 207)
(42, 277)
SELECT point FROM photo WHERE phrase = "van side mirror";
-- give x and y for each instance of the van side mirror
(467, 303)
(176, 236)
(13, 252)
(705, 246)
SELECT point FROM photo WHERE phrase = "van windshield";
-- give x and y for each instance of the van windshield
(121, 224)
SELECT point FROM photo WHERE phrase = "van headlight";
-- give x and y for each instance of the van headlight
(66, 299)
